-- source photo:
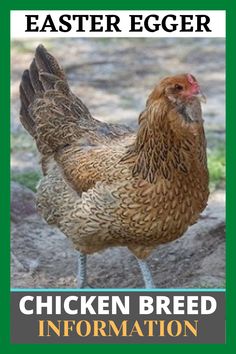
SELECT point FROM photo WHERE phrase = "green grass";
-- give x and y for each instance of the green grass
(216, 166)
(28, 179)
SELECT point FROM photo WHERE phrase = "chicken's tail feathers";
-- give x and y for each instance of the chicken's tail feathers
(52, 114)
(47, 104)
(27, 94)
(47, 63)
(41, 76)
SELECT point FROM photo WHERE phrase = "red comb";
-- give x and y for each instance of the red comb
(191, 79)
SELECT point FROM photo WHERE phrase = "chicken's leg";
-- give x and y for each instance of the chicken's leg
(82, 276)
(147, 276)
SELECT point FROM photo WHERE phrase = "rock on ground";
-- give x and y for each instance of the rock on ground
(42, 257)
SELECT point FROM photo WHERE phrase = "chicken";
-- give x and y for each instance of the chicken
(104, 185)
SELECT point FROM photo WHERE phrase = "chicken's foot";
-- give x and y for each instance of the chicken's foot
(147, 276)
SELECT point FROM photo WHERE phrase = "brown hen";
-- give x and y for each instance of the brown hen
(105, 186)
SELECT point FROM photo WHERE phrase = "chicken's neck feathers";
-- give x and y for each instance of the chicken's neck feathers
(166, 144)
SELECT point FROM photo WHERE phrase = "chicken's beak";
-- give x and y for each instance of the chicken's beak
(200, 95)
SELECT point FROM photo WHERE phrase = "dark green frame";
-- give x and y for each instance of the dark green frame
(5, 7)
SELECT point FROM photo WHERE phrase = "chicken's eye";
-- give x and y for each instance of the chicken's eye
(178, 87)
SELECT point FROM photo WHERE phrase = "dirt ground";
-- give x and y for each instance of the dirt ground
(114, 77)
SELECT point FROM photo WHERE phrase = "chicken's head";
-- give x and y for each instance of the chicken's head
(179, 88)
(182, 93)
